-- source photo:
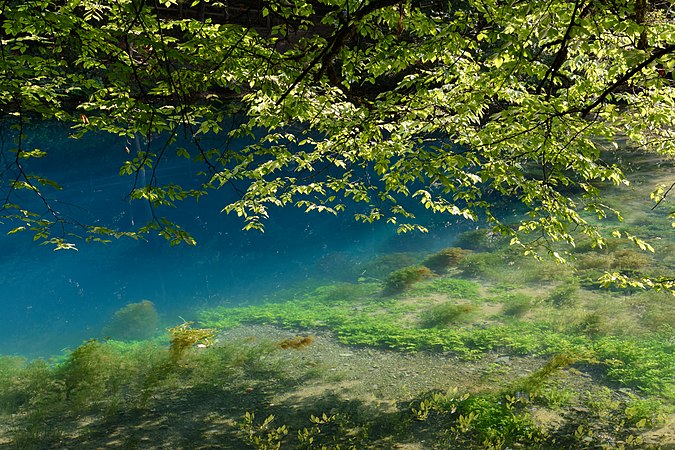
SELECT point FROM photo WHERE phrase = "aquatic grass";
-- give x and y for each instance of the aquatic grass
(564, 295)
(441, 261)
(516, 304)
(484, 420)
(457, 288)
(536, 380)
(646, 364)
(602, 420)
(640, 316)
(601, 401)
(392, 336)
(497, 420)
(98, 380)
(322, 308)
(510, 267)
(644, 412)
(383, 326)
(641, 362)
(480, 240)
(626, 362)
(508, 418)
(403, 279)
(488, 266)
(11, 369)
(381, 266)
(365, 327)
(630, 260)
(228, 363)
(593, 313)
(522, 338)
(35, 432)
(448, 313)
(493, 417)
(523, 270)
(654, 311)
(593, 324)
(31, 386)
(91, 372)
(502, 288)
(557, 396)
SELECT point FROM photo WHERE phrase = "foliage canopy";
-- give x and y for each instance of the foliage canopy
(366, 102)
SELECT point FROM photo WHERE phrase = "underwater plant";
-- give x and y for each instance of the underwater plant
(135, 321)
(263, 436)
(481, 239)
(450, 287)
(296, 342)
(481, 421)
(592, 324)
(11, 369)
(447, 313)
(536, 380)
(595, 260)
(445, 259)
(93, 372)
(400, 280)
(564, 295)
(183, 337)
(480, 264)
(517, 305)
(629, 260)
(381, 266)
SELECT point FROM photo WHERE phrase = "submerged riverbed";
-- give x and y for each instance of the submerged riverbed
(323, 333)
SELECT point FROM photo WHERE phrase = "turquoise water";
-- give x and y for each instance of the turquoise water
(349, 332)
(54, 300)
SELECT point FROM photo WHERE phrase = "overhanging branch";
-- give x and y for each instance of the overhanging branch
(658, 53)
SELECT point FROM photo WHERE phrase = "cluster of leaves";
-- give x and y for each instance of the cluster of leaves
(116, 67)
(361, 102)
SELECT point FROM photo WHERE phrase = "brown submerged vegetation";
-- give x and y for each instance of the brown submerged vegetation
(296, 342)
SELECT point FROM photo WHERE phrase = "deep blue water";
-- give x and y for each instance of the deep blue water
(52, 300)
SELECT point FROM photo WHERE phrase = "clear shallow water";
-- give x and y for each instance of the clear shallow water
(501, 328)
(51, 300)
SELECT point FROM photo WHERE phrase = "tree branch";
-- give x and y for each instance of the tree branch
(336, 42)
(658, 53)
